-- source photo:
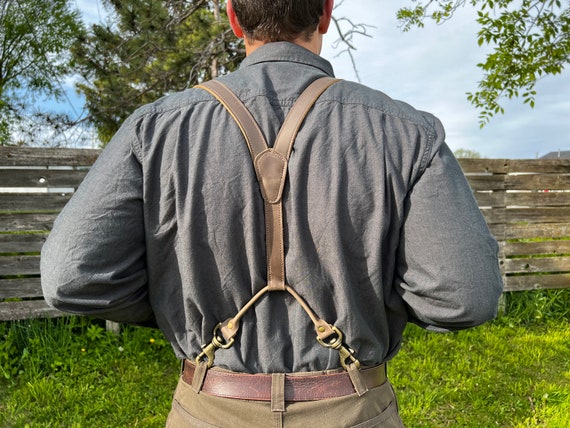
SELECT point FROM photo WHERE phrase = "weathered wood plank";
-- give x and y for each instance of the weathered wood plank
(26, 310)
(21, 243)
(537, 182)
(535, 282)
(495, 199)
(503, 166)
(20, 288)
(544, 230)
(538, 199)
(541, 166)
(486, 182)
(484, 165)
(19, 265)
(26, 222)
(529, 199)
(527, 215)
(538, 215)
(535, 265)
(498, 199)
(494, 216)
(536, 248)
(519, 182)
(497, 230)
(35, 156)
(41, 178)
(33, 201)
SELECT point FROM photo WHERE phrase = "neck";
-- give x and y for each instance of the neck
(314, 44)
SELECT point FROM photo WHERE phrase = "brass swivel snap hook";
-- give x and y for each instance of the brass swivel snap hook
(209, 350)
(346, 354)
(347, 357)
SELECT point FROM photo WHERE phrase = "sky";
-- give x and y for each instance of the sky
(432, 69)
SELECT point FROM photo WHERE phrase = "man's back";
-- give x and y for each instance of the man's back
(378, 221)
(380, 227)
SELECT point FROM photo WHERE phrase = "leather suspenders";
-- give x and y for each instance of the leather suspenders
(271, 169)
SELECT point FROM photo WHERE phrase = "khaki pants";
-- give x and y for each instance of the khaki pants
(376, 408)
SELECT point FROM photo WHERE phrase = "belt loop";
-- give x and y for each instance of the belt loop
(278, 392)
(199, 376)
(357, 379)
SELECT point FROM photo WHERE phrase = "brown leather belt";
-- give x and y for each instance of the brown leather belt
(298, 387)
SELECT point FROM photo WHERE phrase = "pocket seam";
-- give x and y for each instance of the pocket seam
(188, 417)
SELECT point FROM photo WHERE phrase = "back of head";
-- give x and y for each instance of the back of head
(278, 20)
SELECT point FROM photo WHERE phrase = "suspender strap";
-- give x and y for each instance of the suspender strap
(247, 124)
(271, 163)
(271, 169)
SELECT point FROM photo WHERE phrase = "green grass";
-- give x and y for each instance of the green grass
(496, 375)
(70, 372)
(513, 372)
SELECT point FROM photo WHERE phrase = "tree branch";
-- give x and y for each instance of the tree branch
(345, 38)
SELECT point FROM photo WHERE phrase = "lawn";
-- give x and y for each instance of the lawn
(512, 372)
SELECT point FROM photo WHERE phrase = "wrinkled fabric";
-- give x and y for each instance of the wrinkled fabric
(381, 227)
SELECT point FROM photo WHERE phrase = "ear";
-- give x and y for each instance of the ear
(325, 17)
(236, 28)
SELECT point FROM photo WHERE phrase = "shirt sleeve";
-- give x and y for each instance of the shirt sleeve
(94, 260)
(448, 271)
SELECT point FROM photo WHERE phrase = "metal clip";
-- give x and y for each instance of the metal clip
(335, 341)
(207, 354)
(210, 349)
(345, 352)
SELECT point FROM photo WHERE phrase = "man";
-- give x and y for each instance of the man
(380, 228)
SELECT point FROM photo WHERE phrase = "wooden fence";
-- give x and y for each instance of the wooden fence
(527, 206)
(35, 184)
(525, 202)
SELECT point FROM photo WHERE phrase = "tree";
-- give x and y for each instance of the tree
(148, 49)
(34, 39)
(530, 39)
(153, 47)
(347, 30)
(466, 153)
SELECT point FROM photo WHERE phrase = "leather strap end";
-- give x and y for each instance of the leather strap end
(357, 379)
(229, 328)
(324, 329)
(199, 377)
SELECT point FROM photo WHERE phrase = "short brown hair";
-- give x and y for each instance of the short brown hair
(278, 20)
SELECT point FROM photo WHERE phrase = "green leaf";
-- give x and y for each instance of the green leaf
(528, 41)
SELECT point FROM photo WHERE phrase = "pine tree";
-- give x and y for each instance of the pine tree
(35, 36)
(148, 49)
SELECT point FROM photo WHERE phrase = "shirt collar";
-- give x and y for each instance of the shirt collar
(286, 51)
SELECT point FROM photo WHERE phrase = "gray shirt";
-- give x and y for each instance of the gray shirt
(381, 227)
